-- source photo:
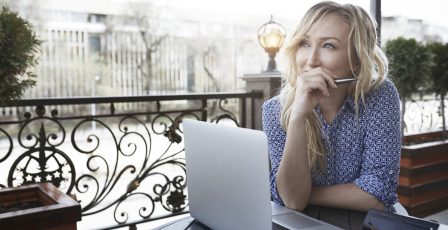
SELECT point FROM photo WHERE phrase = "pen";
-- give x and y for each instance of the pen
(344, 80)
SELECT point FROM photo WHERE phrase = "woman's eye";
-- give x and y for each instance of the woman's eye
(329, 45)
(304, 44)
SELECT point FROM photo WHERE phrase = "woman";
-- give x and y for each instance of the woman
(334, 145)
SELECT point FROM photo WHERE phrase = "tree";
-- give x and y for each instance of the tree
(410, 67)
(143, 15)
(439, 75)
(19, 47)
(211, 50)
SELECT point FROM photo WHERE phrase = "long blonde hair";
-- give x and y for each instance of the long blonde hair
(371, 70)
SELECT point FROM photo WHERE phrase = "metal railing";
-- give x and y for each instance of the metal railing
(425, 114)
(121, 157)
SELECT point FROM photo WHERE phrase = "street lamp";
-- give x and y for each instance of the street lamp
(271, 36)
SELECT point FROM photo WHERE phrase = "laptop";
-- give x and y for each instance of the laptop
(228, 180)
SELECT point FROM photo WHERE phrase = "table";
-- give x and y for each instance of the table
(184, 223)
(187, 223)
(340, 218)
(343, 218)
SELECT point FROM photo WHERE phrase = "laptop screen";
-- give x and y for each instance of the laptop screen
(227, 176)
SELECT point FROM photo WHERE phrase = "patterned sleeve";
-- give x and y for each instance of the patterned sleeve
(276, 141)
(382, 145)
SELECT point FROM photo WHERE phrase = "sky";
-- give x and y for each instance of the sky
(431, 11)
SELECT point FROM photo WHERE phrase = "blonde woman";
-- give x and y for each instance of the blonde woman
(334, 145)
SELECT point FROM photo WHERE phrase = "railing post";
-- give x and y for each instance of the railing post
(243, 112)
(204, 111)
(269, 83)
(442, 108)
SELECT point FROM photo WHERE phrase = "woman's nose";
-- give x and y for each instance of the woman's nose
(313, 58)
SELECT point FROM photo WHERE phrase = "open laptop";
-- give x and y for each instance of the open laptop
(228, 180)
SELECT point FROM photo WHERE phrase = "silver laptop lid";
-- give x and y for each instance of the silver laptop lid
(227, 176)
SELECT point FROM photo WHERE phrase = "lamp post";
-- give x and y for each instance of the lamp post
(271, 36)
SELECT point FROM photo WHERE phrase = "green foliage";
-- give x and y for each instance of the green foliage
(410, 65)
(19, 47)
(439, 71)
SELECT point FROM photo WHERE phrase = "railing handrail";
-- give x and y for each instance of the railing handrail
(139, 143)
(143, 98)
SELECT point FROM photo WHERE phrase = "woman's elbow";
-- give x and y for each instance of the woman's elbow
(379, 205)
(296, 205)
(295, 198)
(372, 203)
(297, 201)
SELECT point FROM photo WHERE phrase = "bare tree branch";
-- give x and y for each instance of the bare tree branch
(207, 71)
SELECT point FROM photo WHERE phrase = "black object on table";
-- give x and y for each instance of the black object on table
(377, 219)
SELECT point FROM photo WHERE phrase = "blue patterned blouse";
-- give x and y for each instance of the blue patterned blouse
(367, 155)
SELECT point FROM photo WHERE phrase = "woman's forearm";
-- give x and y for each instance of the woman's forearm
(346, 196)
(293, 176)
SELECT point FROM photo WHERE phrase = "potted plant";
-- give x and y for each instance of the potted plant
(19, 47)
(439, 77)
(423, 180)
(410, 66)
(38, 206)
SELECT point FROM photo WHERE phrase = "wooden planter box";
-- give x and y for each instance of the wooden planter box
(423, 182)
(55, 209)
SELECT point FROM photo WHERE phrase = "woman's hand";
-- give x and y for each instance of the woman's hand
(311, 87)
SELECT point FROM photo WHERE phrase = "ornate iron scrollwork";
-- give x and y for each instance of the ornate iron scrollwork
(10, 146)
(169, 193)
(43, 161)
(422, 116)
(225, 115)
(125, 157)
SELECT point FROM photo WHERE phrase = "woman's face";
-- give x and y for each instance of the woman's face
(325, 45)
